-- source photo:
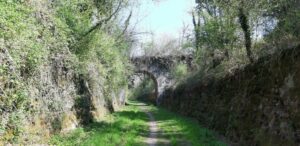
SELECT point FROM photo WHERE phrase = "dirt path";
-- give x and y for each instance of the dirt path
(155, 134)
(152, 139)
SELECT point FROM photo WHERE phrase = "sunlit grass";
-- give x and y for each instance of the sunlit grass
(184, 131)
(126, 128)
(129, 127)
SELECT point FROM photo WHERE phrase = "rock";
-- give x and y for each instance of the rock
(69, 122)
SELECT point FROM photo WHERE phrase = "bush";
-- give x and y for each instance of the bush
(179, 71)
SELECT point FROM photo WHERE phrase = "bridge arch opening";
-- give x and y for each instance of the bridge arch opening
(152, 97)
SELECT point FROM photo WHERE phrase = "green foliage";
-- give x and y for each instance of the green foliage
(37, 34)
(288, 27)
(21, 35)
(76, 14)
(179, 71)
(216, 31)
(111, 64)
(15, 126)
(73, 138)
(98, 46)
(143, 89)
(21, 51)
(233, 32)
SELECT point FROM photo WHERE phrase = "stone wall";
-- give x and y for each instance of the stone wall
(45, 92)
(257, 105)
(58, 101)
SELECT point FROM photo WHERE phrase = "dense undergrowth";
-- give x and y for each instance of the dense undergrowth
(44, 55)
(143, 89)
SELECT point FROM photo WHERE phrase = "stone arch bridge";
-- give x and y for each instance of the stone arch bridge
(159, 70)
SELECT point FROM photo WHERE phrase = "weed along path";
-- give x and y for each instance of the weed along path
(139, 124)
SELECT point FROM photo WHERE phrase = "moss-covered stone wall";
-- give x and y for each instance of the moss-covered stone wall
(257, 105)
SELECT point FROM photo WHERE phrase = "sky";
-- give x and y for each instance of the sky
(166, 17)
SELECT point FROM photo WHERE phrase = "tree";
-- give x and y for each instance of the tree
(243, 19)
(214, 31)
(216, 27)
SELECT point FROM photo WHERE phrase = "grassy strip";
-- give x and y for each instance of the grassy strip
(124, 128)
(183, 131)
(129, 128)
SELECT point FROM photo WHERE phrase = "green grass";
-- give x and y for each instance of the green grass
(124, 128)
(184, 131)
(129, 128)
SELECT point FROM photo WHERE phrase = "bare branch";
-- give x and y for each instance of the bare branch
(127, 23)
(100, 22)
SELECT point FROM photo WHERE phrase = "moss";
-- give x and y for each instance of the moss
(69, 122)
(32, 130)
(99, 114)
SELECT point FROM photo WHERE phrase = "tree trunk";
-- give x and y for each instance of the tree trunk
(197, 33)
(243, 19)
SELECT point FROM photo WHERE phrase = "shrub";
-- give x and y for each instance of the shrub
(179, 71)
